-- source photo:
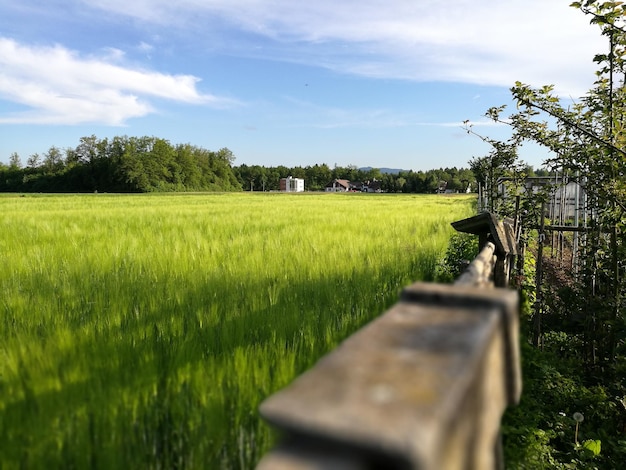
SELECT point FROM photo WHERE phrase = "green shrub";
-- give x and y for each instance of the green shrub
(462, 249)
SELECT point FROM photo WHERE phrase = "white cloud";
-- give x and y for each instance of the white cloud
(59, 86)
(490, 42)
(145, 47)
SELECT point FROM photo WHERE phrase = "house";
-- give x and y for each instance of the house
(356, 186)
(291, 185)
(338, 186)
(371, 187)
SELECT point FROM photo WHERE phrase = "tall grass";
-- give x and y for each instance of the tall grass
(143, 331)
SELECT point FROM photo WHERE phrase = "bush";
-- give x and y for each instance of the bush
(463, 248)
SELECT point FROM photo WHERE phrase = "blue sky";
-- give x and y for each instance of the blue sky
(284, 82)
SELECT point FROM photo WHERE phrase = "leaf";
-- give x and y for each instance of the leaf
(593, 446)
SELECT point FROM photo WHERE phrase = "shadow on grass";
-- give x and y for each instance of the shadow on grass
(140, 402)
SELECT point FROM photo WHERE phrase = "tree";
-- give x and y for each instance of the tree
(53, 161)
(588, 139)
(34, 160)
(401, 182)
(499, 173)
(317, 176)
(585, 140)
(15, 162)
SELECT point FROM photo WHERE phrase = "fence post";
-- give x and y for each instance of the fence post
(423, 386)
(501, 234)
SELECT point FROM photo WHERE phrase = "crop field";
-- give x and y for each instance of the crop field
(143, 331)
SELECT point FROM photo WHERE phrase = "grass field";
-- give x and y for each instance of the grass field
(142, 331)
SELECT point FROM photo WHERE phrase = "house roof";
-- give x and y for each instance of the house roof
(343, 183)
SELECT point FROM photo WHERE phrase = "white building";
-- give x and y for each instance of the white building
(292, 185)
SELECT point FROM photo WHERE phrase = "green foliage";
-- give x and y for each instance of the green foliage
(540, 432)
(123, 164)
(499, 173)
(589, 140)
(150, 164)
(593, 446)
(462, 249)
(582, 331)
(260, 178)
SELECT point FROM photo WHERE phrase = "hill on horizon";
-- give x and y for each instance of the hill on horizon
(393, 171)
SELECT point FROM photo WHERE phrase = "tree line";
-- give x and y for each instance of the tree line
(316, 177)
(121, 164)
(151, 164)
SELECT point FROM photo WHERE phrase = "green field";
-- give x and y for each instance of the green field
(142, 331)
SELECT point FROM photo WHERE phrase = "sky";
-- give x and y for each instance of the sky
(380, 83)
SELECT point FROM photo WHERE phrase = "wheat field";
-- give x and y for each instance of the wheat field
(142, 331)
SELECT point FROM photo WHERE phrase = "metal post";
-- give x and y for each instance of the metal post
(539, 279)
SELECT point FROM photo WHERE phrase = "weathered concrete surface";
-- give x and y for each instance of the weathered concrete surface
(423, 386)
